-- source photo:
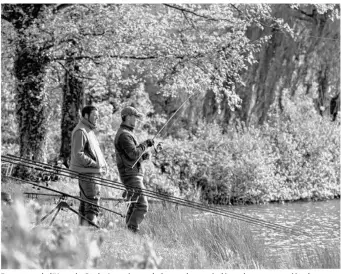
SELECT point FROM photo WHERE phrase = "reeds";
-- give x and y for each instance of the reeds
(170, 238)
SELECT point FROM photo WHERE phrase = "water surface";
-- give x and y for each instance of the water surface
(320, 219)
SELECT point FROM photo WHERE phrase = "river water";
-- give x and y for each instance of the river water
(320, 219)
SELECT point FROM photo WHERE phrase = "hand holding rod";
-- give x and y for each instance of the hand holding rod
(164, 126)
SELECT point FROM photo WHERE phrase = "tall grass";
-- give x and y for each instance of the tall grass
(208, 241)
(170, 238)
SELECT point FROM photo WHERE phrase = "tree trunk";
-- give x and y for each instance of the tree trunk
(322, 79)
(73, 93)
(29, 68)
(335, 106)
(307, 62)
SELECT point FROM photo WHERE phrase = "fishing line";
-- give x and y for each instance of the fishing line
(152, 194)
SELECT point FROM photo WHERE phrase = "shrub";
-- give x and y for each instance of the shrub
(26, 246)
(308, 151)
(293, 156)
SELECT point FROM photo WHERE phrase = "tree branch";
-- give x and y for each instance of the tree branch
(75, 74)
(110, 56)
(6, 18)
(305, 13)
(239, 11)
(184, 10)
(189, 22)
(306, 16)
(61, 7)
(189, 11)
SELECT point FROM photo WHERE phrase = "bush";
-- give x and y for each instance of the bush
(25, 246)
(293, 156)
(308, 151)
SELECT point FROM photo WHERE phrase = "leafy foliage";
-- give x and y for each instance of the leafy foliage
(116, 50)
(294, 156)
(301, 58)
(184, 47)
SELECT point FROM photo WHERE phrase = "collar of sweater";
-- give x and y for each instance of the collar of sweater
(88, 123)
(127, 127)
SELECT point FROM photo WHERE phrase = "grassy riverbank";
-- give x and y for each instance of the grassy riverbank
(169, 239)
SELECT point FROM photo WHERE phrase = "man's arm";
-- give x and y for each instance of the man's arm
(127, 143)
(79, 141)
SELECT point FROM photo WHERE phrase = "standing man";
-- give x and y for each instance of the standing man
(127, 152)
(88, 160)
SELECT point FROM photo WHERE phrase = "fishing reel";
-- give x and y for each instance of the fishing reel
(157, 149)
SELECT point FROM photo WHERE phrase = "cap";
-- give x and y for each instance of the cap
(131, 111)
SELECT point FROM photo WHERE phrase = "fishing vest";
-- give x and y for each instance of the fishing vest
(91, 149)
(124, 163)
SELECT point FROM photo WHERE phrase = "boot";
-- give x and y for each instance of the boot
(133, 229)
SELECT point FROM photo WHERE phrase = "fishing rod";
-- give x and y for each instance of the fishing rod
(65, 194)
(36, 194)
(187, 203)
(183, 202)
(152, 194)
(165, 125)
(62, 203)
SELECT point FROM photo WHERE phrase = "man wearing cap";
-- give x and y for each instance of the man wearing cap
(88, 160)
(127, 152)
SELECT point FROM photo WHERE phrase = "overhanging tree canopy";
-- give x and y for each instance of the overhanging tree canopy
(183, 48)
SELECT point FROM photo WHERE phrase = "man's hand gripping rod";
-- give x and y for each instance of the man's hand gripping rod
(164, 126)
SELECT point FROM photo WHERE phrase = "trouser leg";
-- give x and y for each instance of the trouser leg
(129, 212)
(137, 211)
(89, 192)
(81, 210)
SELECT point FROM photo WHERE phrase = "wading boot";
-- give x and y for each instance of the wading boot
(133, 229)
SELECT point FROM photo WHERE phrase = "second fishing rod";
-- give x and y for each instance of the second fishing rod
(152, 194)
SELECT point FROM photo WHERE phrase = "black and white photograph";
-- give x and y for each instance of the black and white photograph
(174, 137)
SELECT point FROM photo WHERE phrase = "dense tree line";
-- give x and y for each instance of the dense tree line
(238, 58)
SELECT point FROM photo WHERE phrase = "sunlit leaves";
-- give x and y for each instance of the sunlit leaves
(184, 46)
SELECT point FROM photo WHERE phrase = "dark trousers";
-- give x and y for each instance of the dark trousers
(89, 192)
(137, 211)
